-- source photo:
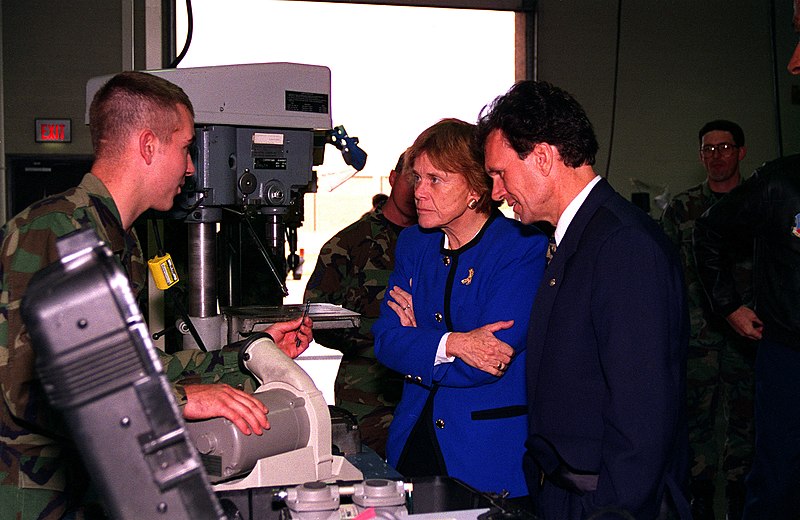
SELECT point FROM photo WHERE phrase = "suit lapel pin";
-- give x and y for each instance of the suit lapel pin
(468, 279)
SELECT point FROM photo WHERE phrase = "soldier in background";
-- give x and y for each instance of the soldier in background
(720, 362)
(353, 270)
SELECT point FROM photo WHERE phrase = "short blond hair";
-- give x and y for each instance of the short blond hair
(131, 101)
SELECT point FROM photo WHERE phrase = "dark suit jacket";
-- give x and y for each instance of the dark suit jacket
(606, 365)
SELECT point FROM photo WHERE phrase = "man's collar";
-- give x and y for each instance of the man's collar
(572, 208)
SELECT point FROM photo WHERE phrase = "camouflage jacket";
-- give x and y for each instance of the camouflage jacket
(707, 328)
(353, 270)
(35, 451)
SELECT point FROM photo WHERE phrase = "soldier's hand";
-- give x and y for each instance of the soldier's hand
(221, 400)
(286, 333)
(746, 322)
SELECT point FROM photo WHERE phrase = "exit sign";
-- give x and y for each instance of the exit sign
(53, 130)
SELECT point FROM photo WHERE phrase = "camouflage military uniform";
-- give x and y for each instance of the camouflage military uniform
(41, 475)
(352, 271)
(720, 363)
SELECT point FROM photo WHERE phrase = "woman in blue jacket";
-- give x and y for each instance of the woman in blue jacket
(455, 320)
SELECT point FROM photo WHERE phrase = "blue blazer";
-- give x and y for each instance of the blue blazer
(479, 419)
(606, 365)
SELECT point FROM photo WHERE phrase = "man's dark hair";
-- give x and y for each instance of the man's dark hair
(534, 112)
(725, 126)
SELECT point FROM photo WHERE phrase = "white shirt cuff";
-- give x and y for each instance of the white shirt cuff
(441, 352)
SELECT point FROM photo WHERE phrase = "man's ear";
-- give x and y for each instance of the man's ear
(147, 145)
(392, 177)
(541, 159)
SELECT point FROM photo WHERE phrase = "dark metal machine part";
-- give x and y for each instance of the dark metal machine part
(99, 368)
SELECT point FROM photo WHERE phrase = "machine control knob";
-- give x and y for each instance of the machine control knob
(248, 183)
(274, 194)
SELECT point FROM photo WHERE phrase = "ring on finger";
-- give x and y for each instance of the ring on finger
(408, 306)
(500, 366)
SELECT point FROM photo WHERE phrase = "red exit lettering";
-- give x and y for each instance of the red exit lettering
(52, 132)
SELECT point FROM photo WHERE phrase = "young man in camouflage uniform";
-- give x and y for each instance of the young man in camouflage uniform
(353, 270)
(142, 129)
(720, 362)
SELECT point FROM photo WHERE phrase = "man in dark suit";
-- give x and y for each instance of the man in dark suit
(609, 328)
